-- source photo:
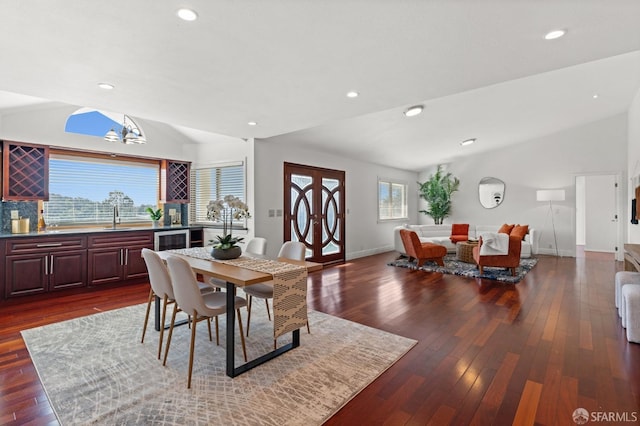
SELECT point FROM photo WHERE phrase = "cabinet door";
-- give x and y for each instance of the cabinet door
(25, 274)
(105, 265)
(25, 171)
(67, 269)
(134, 263)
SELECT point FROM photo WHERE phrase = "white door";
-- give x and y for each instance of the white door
(601, 213)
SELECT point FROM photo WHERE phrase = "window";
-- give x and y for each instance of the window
(214, 183)
(392, 200)
(84, 190)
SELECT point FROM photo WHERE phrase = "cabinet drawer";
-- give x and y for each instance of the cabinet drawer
(44, 244)
(122, 239)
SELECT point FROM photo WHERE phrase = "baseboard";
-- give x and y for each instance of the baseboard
(368, 252)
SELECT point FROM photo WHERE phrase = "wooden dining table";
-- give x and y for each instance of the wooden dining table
(236, 276)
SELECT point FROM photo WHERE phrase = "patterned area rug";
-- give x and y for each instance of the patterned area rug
(95, 371)
(455, 267)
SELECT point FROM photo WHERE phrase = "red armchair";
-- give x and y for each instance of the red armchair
(509, 261)
(422, 251)
(459, 232)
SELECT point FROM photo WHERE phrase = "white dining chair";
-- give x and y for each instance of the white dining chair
(161, 286)
(200, 307)
(294, 250)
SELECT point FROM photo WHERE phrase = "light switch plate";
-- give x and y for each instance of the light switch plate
(172, 212)
(15, 214)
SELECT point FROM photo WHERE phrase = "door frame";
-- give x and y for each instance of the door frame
(317, 174)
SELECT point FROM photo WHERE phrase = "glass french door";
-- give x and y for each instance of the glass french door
(314, 211)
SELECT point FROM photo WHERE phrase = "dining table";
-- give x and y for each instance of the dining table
(235, 276)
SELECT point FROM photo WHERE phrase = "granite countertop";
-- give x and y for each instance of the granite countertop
(53, 231)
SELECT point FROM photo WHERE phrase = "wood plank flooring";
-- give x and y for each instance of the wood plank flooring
(487, 353)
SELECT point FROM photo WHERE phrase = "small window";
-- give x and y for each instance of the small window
(392, 200)
(214, 183)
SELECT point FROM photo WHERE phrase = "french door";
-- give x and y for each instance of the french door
(314, 211)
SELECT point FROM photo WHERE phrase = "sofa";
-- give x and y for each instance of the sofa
(440, 234)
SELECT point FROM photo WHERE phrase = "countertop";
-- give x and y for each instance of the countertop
(74, 231)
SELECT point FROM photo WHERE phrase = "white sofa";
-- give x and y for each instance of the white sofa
(439, 234)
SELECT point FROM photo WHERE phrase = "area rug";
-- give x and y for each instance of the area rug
(95, 371)
(455, 267)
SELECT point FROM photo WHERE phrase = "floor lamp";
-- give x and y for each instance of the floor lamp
(551, 195)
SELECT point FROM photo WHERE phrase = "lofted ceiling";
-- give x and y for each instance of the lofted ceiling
(482, 69)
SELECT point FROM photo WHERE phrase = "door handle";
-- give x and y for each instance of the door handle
(126, 257)
(51, 269)
(46, 265)
(121, 257)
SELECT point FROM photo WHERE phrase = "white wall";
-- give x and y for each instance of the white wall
(364, 235)
(633, 119)
(549, 162)
(45, 125)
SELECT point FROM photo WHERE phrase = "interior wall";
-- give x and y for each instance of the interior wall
(364, 234)
(580, 211)
(45, 125)
(548, 162)
(633, 145)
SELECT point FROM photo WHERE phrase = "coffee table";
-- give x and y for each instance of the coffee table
(464, 251)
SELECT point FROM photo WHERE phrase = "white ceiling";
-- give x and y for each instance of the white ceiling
(481, 68)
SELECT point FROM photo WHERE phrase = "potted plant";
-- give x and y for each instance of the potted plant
(155, 216)
(225, 211)
(437, 193)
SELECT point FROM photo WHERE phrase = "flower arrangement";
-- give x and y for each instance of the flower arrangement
(226, 210)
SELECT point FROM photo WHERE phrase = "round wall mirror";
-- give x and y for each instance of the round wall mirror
(491, 192)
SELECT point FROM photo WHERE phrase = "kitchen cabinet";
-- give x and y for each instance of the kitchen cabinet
(115, 257)
(43, 264)
(175, 181)
(25, 171)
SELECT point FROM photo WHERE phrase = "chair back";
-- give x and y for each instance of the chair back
(411, 241)
(185, 286)
(257, 246)
(158, 274)
(294, 250)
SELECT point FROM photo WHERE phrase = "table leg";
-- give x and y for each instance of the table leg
(232, 370)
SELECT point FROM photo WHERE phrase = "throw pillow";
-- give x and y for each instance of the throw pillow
(460, 229)
(505, 229)
(520, 231)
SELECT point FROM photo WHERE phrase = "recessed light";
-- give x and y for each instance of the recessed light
(468, 142)
(252, 123)
(106, 86)
(352, 94)
(187, 14)
(552, 35)
(414, 110)
(595, 96)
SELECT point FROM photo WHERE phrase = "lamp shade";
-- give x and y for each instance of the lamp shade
(550, 195)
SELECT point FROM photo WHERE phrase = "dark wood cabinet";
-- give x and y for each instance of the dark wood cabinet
(43, 264)
(175, 181)
(25, 171)
(114, 258)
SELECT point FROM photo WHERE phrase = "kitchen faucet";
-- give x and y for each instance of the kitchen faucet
(115, 215)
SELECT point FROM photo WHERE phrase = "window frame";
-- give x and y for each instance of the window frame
(405, 206)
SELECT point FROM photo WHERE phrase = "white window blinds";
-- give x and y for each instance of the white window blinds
(214, 183)
(84, 190)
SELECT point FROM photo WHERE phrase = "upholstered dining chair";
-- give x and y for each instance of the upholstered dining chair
(255, 247)
(200, 307)
(161, 286)
(294, 250)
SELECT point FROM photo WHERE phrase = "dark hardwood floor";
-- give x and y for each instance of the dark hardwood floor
(487, 353)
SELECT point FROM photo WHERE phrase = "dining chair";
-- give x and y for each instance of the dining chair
(161, 286)
(200, 307)
(256, 246)
(294, 250)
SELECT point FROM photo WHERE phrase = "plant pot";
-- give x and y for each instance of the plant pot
(232, 253)
(155, 223)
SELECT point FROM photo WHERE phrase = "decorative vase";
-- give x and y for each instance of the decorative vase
(155, 223)
(231, 253)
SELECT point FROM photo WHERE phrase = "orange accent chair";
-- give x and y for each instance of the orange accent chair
(509, 261)
(420, 251)
(459, 232)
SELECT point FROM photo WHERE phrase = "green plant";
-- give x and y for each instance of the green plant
(437, 193)
(154, 214)
(226, 242)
